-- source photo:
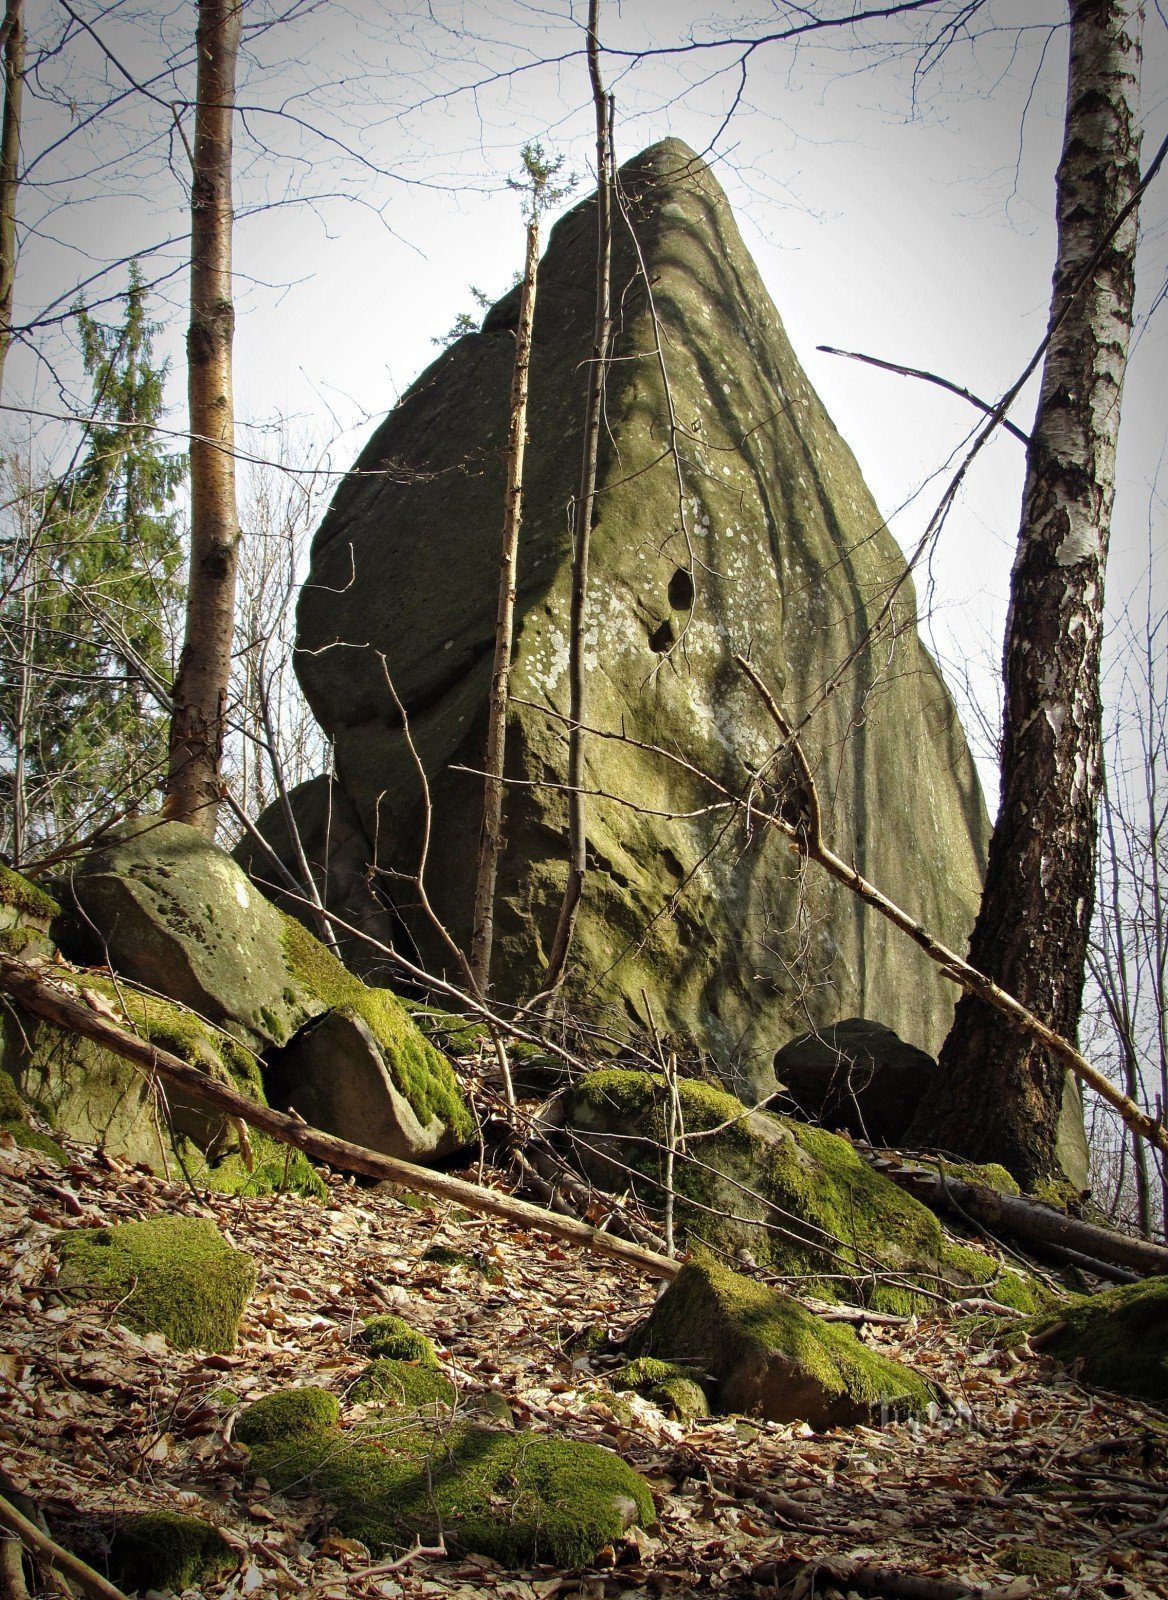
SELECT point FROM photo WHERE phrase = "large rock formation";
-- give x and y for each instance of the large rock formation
(773, 546)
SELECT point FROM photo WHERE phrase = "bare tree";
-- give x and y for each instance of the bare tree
(13, 30)
(997, 1094)
(200, 690)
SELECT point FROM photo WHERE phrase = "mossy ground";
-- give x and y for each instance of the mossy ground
(14, 1121)
(518, 1498)
(171, 1275)
(165, 1550)
(276, 1169)
(721, 1320)
(420, 1073)
(391, 1336)
(853, 1234)
(1118, 1339)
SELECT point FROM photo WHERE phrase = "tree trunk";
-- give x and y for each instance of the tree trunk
(491, 837)
(200, 691)
(582, 525)
(997, 1094)
(10, 168)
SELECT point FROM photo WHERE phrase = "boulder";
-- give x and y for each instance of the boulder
(270, 1008)
(168, 1550)
(775, 548)
(1115, 1340)
(797, 1200)
(176, 1276)
(857, 1075)
(521, 1499)
(765, 1354)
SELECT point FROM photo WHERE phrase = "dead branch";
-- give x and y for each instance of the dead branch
(46, 998)
(1026, 1218)
(929, 377)
(51, 1554)
(869, 1578)
(810, 843)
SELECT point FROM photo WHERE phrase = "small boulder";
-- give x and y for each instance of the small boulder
(857, 1075)
(517, 1498)
(767, 1355)
(1117, 1339)
(167, 1550)
(176, 1276)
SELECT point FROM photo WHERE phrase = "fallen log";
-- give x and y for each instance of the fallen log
(795, 1575)
(47, 998)
(1026, 1218)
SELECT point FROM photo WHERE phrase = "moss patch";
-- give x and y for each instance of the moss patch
(14, 1121)
(767, 1351)
(392, 1337)
(164, 1550)
(667, 1385)
(518, 1498)
(290, 1414)
(419, 1072)
(171, 1275)
(23, 898)
(835, 1221)
(416, 1385)
(1036, 1561)
(173, 1028)
(276, 1169)
(1118, 1339)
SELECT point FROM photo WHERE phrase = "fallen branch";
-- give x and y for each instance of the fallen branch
(808, 839)
(1027, 1219)
(48, 999)
(51, 1554)
(869, 1578)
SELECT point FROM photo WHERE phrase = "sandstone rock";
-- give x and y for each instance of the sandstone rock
(782, 554)
(767, 1355)
(857, 1075)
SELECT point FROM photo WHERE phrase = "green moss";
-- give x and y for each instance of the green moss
(276, 1169)
(1037, 1561)
(1117, 1339)
(290, 1414)
(1019, 1293)
(22, 940)
(182, 1033)
(14, 1121)
(726, 1323)
(392, 1337)
(847, 1228)
(165, 1550)
(419, 1072)
(518, 1498)
(443, 1256)
(25, 898)
(673, 1388)
(419, 1386)
(171, 1275)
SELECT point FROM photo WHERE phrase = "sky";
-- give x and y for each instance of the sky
(898, 201)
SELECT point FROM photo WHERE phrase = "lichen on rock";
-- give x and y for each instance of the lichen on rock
(176, 1276)
(767, 1354)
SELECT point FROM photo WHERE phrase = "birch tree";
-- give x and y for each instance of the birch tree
(997, 1094)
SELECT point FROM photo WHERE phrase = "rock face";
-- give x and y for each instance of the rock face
(773, 547)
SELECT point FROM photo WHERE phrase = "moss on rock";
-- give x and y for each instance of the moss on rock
(166, 1550)
(391, 1336)
(767, 1353)
(21, 900)
(14, 1121)
(833, 1219)
(1117, 1339)
(518, 1498)
(415, 1385)
(176, 1276)
(420, 1073)
(672, 1387)
(289, 1414)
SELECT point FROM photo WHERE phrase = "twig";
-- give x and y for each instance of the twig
(929, 377)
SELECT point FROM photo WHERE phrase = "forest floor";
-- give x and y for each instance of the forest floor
(97, 1420)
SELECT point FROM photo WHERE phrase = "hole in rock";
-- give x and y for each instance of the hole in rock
(662, 638)
(681, 590)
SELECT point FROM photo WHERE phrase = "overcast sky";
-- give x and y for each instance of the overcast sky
(895, 205)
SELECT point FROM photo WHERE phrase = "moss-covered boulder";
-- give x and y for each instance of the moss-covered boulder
(391, 1336)
(857, 1075)
(518, 1498)
(15, 1123)
(404, 1385)
(783, 553)
(176, 1276)
(672, 1387)
(798, 1199)
(24, 903)
(765, 1354)
(178, 916)
(168, 1550)
(1116, 1340)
